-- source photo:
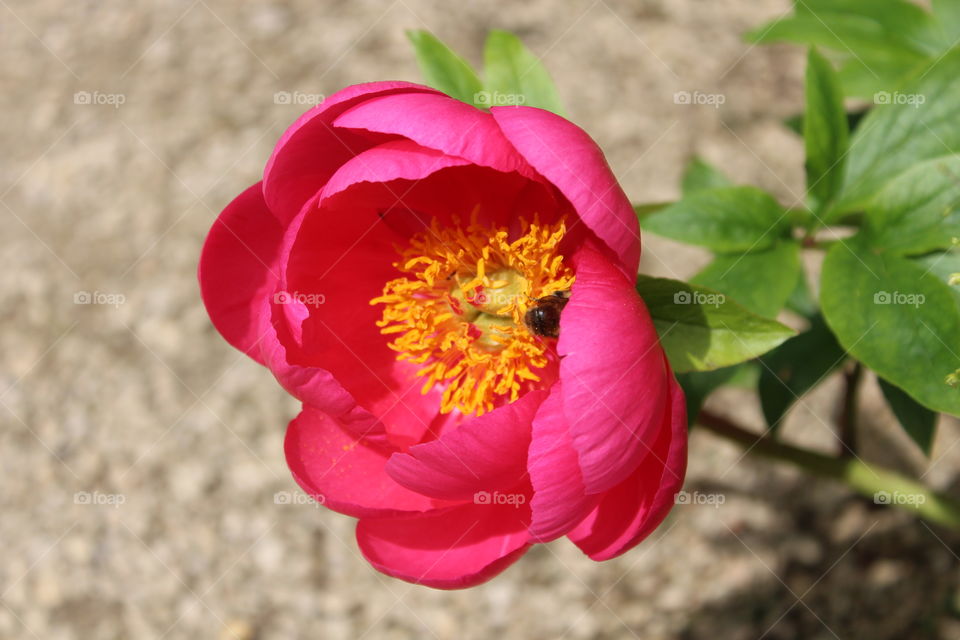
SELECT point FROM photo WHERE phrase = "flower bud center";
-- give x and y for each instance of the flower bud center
(489, 305)
(458, 311)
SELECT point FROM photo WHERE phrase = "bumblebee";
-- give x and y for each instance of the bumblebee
(543, 318)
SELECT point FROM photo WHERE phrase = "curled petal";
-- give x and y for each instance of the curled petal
(312, 149)
(239, 269)
(314, 386)
(613, 372)
(630, 511)
(453, 549)
(559, 496)
(439, 122)
(400, 159)
(338, 261)
(564, 154)
(346, 472)
(487, 453)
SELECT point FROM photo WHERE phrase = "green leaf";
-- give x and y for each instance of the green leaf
(947, 13)
(760, 281)
(700, 175)
(644, 210)
(801, 300)
(727, 220)
(876, 42)
(866, 76)
(897, 318)
(849, 34)
(514, 75)
(902, 22)
(795, 367)
(697, 385)
(795, 122)
(825, 130)
(944, 265)
(919, 122)
(919, 422)
(702, 330)
(442, 68)
(919, 210)
(746, 376)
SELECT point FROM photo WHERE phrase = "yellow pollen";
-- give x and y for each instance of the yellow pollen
(458, 311)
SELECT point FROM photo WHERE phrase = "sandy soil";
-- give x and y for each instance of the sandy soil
(177, 439)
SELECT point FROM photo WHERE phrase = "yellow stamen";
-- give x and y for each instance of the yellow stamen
(458, 312)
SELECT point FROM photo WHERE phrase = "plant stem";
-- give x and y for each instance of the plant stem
(882, 485)
(847, 419)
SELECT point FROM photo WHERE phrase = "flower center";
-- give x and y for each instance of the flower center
(459, 311)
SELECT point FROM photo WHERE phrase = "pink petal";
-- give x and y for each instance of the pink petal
(438, 122)
(487, 453)
(457, 548)
(312, 149)
(313, 386)
(564, 154)
(613, 372)
(341, 258)
(629, 512)
(344, 472)
(400, 159)
(238, 269)
(279, 324)
(408, 206)
(559, 499)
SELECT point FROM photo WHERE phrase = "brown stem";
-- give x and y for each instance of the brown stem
(847, 420)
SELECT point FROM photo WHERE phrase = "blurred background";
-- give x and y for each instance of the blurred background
(144, 492)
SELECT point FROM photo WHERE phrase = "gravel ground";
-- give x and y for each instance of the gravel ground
(142, 457)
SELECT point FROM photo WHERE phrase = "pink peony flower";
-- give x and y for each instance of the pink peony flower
(450, 294)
